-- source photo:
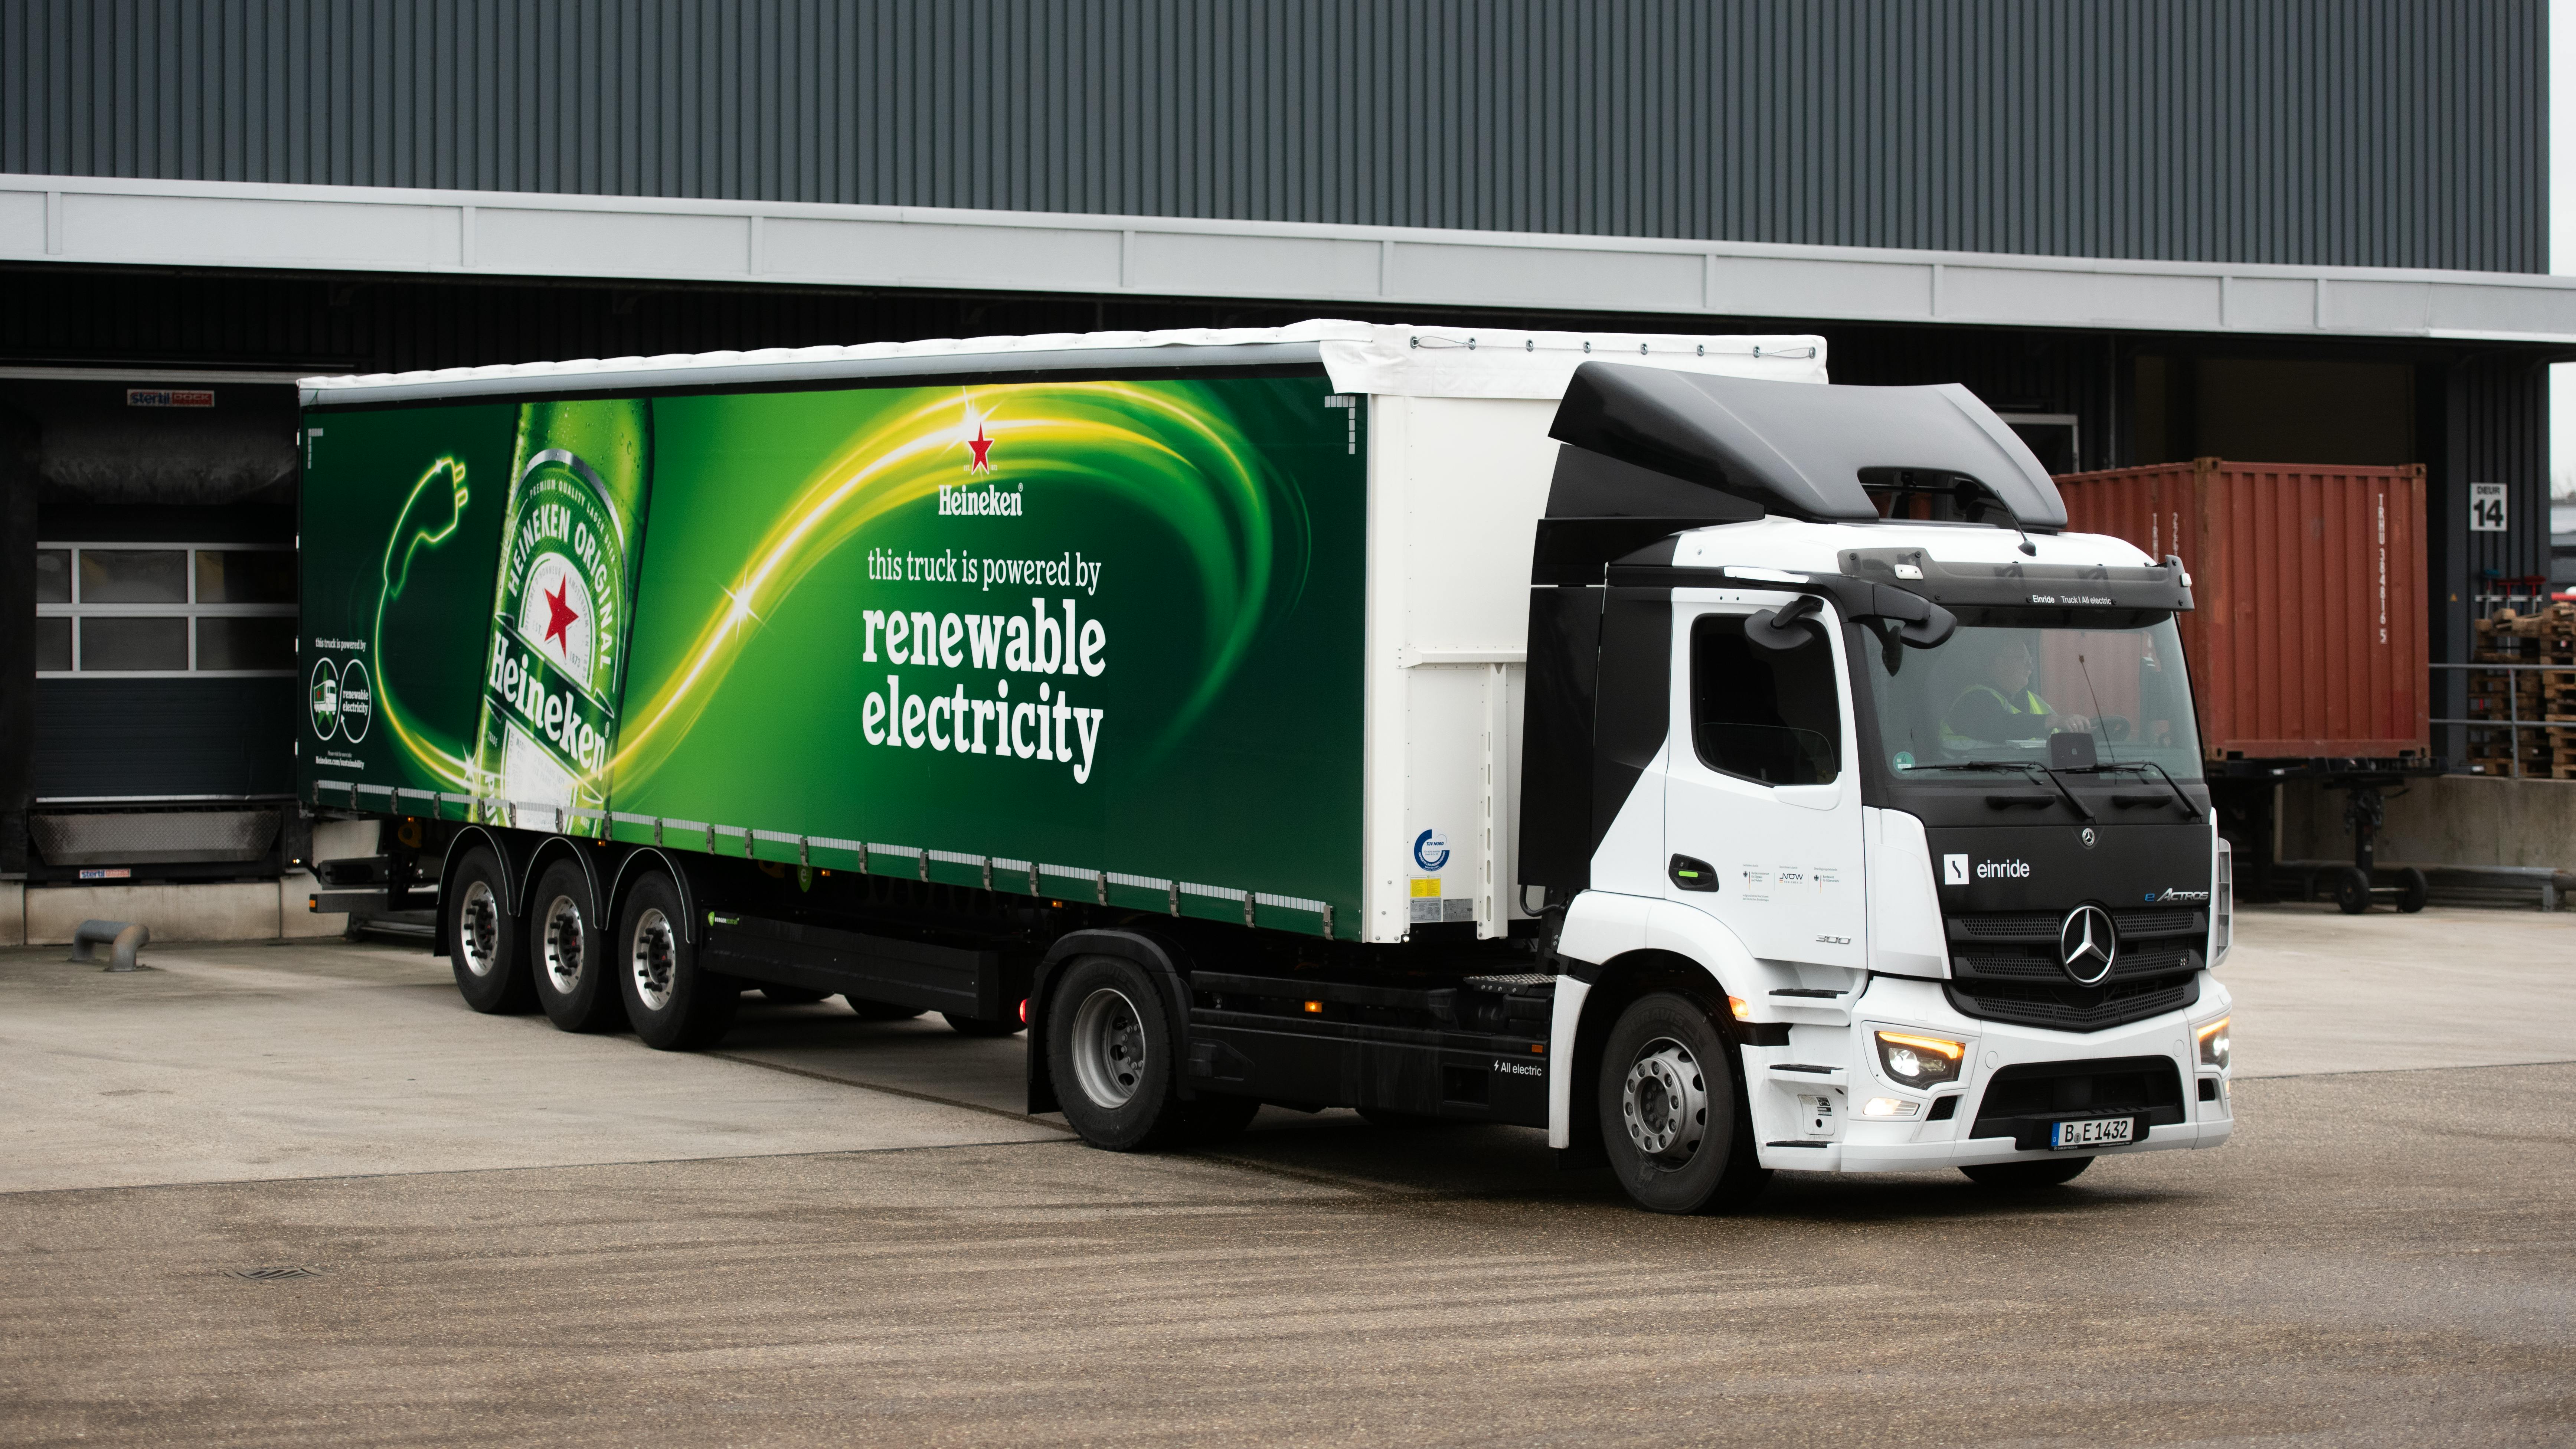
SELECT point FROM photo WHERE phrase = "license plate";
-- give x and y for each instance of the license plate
(2100, 1132)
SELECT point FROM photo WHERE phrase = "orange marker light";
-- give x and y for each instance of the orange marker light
(1951, 1049)
(1316, 1007)
(1742, 1008)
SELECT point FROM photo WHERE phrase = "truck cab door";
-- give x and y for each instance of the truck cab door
(1762, 823)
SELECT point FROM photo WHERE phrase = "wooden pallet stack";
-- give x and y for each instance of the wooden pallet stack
(2546, 638)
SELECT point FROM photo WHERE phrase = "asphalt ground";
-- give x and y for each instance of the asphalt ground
(508, 1234)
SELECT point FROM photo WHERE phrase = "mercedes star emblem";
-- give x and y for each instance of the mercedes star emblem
(2086, 944)
(2088, 837)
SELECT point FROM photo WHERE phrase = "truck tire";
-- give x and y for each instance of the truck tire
(2413, 890)
(568, 953)
(983, 1026)
(1672, 1111)
(486, 945)
(2351, 890)
(2028, 1176)
(792, 995)
(881, 1010)
(675, 1003)
(1110, 1049)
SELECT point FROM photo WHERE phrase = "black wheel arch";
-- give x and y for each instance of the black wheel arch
(1162, 959)
(688, 879)
(514, 878)
(1617, 984)
(552, 848)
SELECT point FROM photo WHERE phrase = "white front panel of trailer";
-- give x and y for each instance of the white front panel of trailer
(1456, 488)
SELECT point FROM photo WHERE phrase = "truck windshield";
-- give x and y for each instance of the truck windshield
(1997, 689)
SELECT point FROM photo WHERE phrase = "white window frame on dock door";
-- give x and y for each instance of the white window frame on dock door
(191, 610)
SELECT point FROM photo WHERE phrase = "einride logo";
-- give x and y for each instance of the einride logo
(1954, 869)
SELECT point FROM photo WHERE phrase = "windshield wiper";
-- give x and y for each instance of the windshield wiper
(2025, 767)
(2189, 810)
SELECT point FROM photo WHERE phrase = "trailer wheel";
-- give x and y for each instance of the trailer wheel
(2027, 1176)
(983, 1026)
(2413, 890)
(1109, 1049)
(487, 944)
(881, 1010)
(569, 953)
(675, 1003)
(1672, 1110)
(2352, 890)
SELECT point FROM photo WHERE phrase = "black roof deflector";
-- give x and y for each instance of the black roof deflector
(1798, 448)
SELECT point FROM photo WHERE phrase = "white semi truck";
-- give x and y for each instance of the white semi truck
(1635, 737)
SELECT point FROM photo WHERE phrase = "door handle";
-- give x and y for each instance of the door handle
(1691, 874)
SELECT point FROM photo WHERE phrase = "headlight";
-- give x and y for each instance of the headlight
(2213, 1043)
(1920, 1061)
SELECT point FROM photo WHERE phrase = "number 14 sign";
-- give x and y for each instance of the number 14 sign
(2486, 508)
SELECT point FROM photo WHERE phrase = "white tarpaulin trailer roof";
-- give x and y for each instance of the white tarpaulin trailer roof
(1360, 357)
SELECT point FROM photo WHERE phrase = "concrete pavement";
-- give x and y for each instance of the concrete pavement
(2381, 1256)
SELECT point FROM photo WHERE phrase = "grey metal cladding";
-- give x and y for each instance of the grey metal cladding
(1799, 448)
(2351, 132)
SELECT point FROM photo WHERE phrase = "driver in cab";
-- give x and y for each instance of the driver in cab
(2000, 707)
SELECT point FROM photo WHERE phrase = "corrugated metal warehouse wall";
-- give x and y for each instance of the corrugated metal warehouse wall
(2361, 132)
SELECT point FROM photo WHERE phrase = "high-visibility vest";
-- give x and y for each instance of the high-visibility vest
(2030, 697)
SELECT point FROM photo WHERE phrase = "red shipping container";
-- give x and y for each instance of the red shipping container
(2310, 636)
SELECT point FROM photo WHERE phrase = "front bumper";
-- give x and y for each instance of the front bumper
(1812, 1120)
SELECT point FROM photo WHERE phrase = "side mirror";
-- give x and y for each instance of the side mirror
(1783, 628)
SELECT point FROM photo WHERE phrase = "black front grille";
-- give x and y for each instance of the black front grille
(2021, 1101)
(2004, 966)
(2070, 1007)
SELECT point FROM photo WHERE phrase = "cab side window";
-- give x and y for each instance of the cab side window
(1772, 715)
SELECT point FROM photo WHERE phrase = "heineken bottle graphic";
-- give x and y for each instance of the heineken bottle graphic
(571, 541)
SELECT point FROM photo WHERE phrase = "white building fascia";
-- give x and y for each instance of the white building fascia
(120, 222)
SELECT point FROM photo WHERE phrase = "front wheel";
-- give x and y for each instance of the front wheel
(2027, 1176)
(674, 1002)
(1672, 1113)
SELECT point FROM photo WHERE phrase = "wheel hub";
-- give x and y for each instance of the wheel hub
(1109, 1051)
(654, 960)
(1664, 1102)
(481, 923)
(564, 942)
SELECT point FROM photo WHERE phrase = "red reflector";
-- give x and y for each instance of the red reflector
(1024, 1012)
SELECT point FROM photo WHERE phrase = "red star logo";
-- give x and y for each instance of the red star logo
(982, 446)
(559, 617)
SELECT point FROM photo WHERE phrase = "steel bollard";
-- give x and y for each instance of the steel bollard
(125, 939)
